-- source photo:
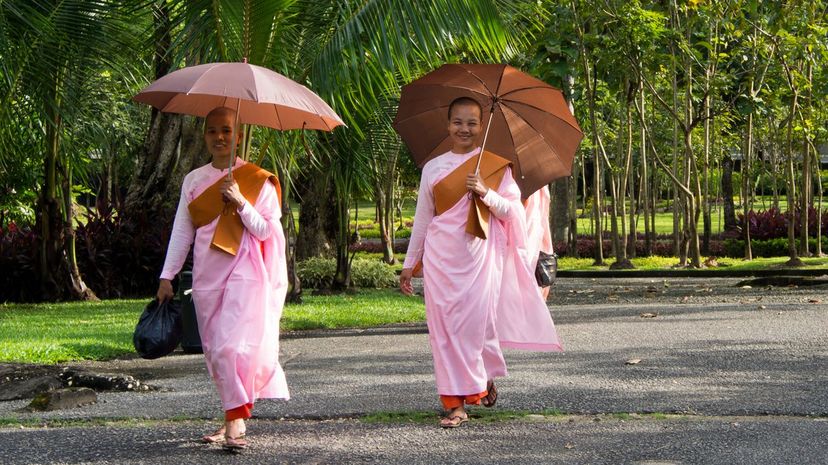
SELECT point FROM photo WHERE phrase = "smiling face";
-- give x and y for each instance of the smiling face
(464, 127)
(218, 132)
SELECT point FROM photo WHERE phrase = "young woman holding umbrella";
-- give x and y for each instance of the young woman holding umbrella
(239, 274)
(469, 240)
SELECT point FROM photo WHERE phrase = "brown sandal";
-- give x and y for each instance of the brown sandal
(490, 399)
(453, 421)
(234, 444)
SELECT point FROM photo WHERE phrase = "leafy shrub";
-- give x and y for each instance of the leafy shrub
(18, 253)
(372, 273)
(374, 246)
(316, 272)
(773, 223)
(319, 272)
(122, 257)
(777, 247)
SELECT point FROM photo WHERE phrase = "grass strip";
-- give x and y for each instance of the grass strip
(70, 331)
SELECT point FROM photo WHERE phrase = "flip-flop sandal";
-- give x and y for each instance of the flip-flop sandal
(490, 399)
(234, 444)
(454, 421)
(215, 437)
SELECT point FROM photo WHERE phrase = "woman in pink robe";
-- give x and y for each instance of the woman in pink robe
(238, 296)
(480, 294)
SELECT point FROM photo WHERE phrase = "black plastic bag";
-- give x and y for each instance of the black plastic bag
(158, 331)
(547, 269)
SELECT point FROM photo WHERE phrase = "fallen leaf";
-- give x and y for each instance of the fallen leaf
(648, 315)
(814, 301)
(633, 361)
(569, 445)
(762, 307)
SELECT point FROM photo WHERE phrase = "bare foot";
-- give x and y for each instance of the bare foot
(235, 428)
(234, 435)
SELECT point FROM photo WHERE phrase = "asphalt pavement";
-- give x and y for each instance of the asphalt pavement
(672, 371)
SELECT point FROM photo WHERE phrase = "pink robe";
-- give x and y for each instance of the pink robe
(479, 294)
(238, 299)
(539, 236)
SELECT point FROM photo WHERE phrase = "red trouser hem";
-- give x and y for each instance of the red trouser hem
(453, 402)
(242, 412)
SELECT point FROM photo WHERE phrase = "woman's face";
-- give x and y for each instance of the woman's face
(218, 134)
(464, 127)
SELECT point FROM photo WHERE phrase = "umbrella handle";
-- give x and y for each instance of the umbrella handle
(234, 139)
(485, 138)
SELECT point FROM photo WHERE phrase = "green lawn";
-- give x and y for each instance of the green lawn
(725, 263)
(53, 333)
(663, 219)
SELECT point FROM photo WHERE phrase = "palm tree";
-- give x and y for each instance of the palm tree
(51, 49)
(355, 54)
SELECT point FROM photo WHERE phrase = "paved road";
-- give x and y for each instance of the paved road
(739, 372)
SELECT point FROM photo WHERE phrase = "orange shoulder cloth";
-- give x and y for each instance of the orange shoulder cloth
(452, 188)
(209, 205)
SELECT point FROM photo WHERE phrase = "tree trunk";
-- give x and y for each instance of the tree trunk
(313, 191)
(156, 184)
(707, 220)
(818, 186)
(597, 186)
(746, 184)
(728, 206)
(559, 220)
(384, 184)
(60, 277)
(791, 181)
(620, 194)
(806, 196)
(572, 231)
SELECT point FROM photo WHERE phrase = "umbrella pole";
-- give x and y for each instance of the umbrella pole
(485, 137)
(233, 140)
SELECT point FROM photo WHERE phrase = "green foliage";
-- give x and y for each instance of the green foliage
(318, 273)
(777, 247)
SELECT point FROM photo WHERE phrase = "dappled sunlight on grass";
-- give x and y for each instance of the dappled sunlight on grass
(666, 263)
(367, 308)
(62, 332)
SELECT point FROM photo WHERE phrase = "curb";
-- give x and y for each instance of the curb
(404, 328)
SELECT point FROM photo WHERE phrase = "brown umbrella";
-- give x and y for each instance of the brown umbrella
(529, 122)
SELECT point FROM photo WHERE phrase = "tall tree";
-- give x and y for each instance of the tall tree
(52, 50)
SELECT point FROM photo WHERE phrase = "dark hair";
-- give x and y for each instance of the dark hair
(464, 101)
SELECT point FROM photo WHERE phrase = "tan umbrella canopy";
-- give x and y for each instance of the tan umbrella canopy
(528, 121)
(259, 96)
(263, 97)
